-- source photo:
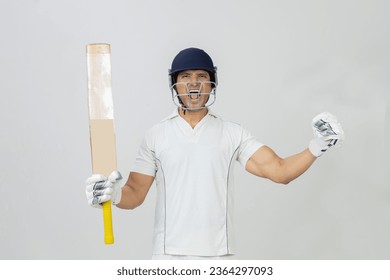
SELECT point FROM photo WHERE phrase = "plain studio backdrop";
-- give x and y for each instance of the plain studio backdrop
(280, 63)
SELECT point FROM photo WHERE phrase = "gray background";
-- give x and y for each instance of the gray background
(280, 63)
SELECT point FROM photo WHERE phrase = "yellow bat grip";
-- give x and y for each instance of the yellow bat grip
(107, 221)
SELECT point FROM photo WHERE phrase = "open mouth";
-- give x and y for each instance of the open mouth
(194, 94)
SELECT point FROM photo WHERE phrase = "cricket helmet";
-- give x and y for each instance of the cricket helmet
(192, 59)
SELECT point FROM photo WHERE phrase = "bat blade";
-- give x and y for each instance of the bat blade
(101, 121)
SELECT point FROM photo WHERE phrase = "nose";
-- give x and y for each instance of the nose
(194, 86)
(194, 81)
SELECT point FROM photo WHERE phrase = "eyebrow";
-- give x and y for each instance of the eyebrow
(201, 72)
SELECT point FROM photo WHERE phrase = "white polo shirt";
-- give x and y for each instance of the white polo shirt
(193, 173)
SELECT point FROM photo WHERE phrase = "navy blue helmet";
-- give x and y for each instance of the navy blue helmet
(192, 59)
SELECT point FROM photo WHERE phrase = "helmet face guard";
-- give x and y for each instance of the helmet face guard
(193, 59)
(193, 99)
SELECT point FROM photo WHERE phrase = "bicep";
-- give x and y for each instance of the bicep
(264, 163)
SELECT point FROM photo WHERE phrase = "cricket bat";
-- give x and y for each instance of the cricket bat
(101, 121)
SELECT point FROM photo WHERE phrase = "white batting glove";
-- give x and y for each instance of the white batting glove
(100, 189)
(328, 133)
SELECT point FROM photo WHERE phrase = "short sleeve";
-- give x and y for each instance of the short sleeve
(145, 162)
(248, 146)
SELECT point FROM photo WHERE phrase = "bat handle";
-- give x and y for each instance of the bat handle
(107, 223)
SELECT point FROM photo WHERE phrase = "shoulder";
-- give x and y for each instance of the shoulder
(230, 129)
(237, 132)
(226, 123)
(159, 127)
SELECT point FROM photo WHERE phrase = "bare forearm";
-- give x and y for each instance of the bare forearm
(130, 198)
(135, 190)
(294, 166)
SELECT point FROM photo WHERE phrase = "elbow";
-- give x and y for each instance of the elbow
(138, 203)
(128, 207)
(134, 204)
(285, 182)
(282, 180)
(283, 176)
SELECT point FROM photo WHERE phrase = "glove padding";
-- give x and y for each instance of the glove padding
(100, 189)
(328, 133)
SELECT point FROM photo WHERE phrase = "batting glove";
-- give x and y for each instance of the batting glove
(100, 189)
(327, 132)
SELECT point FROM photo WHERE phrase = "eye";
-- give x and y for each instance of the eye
(204, 76)
(184, 76)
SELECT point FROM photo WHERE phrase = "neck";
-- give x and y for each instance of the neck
(193, 117)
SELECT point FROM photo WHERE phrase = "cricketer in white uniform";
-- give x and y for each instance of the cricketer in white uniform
(190, 155)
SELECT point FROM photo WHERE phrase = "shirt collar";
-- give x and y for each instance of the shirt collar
(175, 114)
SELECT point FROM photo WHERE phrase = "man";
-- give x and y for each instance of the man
(191, 155)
